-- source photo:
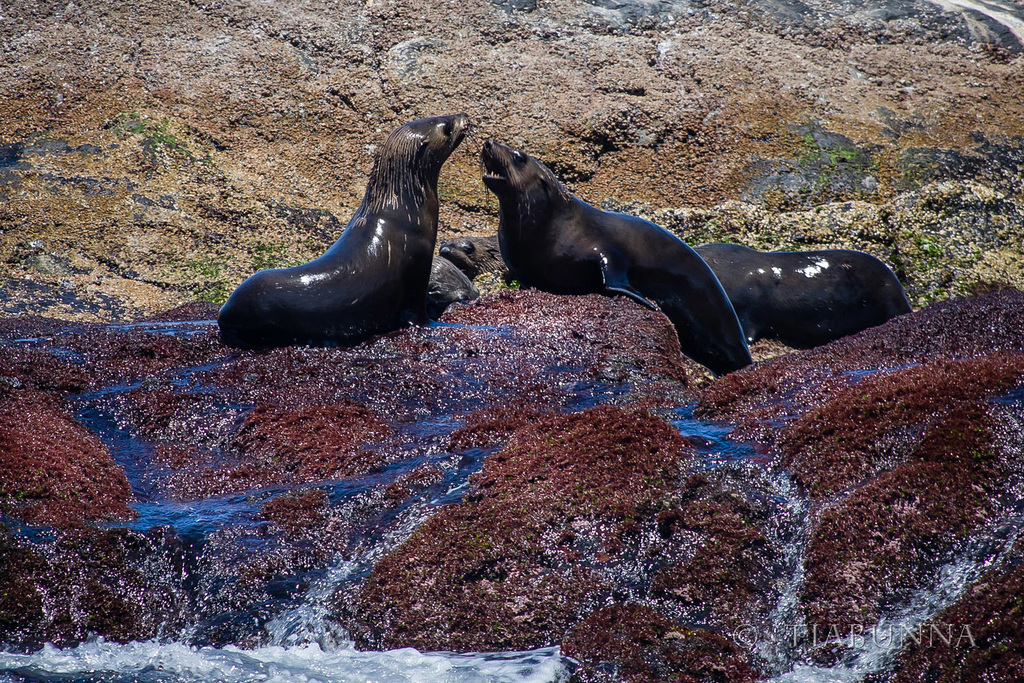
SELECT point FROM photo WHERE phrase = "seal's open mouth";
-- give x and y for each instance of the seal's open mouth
(494, 165)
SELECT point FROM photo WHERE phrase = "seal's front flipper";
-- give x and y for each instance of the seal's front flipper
(634, 295)
(616, 282)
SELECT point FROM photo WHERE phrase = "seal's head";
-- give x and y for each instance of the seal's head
(461, 252)
(409, 161)
(473, 255)
(518, 179)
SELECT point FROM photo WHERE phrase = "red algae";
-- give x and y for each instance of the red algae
(790, 384)
(29, 326)
(493, 427)
(297, 415)
(638, 644)
(419, 478)
(605, 461)
(514, 348)
(85, 581)
(890, 433)
(730, 571)
(508, 568)
(193, 310)
(625, 336)
(163, 412)
(299, 512)
(21, 602)
(876, 423)
(42, 370)
(272, 445)
(883, 537)
(116, 355)
(472, 578)
(52, 469)
(311, 444)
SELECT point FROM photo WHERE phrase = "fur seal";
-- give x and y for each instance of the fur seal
(552, 240)
(474, 255)
(808, 298)
(447, 285)
(374, 278)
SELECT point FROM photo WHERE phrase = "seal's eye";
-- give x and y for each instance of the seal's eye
(449, 125)
(518, 157)
(468, 247)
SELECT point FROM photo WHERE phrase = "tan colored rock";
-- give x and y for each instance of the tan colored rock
(185, 146)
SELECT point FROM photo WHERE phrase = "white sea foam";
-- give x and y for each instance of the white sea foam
(155, 661)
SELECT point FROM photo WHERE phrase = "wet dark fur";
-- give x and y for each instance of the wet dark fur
(374, 278)
(447, 285)
(805, 299)
(554, 241)
(474, 255)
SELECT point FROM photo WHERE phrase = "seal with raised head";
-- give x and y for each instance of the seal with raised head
(474, 255)
(805, 298)
(374, 278)
(448, 285)
(554, 241)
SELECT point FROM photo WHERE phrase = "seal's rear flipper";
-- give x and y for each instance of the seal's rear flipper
(616, 282)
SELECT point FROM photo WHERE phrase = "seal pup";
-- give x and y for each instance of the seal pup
(374, 278)
(447, 285)
(474, 255)
(553, 241)
(805, 298)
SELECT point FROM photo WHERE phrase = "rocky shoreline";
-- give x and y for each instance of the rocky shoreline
(595, 515)
(534, 470)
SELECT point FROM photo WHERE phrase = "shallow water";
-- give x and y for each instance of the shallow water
(872, 650)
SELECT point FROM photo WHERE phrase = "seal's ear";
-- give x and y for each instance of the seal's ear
(547, 185)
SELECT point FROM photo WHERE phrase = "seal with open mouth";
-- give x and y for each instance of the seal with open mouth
(374, 278)
(553, 241)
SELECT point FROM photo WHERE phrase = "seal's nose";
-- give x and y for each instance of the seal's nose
(488, 145)
(445, 250)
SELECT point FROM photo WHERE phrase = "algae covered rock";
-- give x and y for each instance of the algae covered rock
(53, 470)
(635, 643)
(518, 564)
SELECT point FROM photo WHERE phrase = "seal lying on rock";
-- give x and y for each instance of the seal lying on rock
(805, 299)
(553, 241)
(447, 285)
(374, 278)
(474, 255)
